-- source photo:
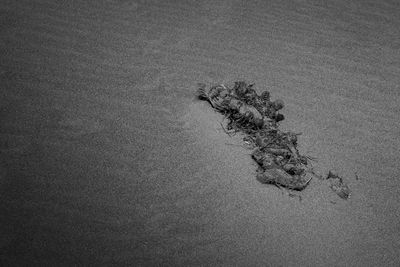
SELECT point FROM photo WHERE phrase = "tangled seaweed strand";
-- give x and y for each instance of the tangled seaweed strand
(258, 118)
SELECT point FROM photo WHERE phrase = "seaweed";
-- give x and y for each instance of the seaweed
(258, 117)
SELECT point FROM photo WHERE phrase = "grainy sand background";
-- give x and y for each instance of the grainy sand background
(108, 159)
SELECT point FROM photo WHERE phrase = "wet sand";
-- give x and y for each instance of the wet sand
(108, 159)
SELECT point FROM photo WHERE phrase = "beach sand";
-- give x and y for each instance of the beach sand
(107, 158)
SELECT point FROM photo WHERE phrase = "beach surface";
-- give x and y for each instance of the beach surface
(108, 159)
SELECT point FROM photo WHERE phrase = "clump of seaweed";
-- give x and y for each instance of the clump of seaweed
(258, 118)
(275, 151)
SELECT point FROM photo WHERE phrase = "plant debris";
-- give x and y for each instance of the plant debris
(338, 186)
(258, 118)
(275, 151)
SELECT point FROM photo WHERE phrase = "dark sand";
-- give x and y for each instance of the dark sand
(107, 158)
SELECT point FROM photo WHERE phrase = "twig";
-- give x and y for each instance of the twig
(311, 170)
(223, 128)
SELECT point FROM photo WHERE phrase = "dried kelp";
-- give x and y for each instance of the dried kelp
(258, 118)
(275, 151)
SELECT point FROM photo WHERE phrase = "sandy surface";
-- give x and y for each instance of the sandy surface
(107, 158)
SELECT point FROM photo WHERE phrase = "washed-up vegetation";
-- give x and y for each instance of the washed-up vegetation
(257, 117)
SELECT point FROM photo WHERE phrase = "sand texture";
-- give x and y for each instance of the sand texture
(107, 158)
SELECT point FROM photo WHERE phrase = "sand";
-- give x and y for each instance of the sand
(108, 159)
